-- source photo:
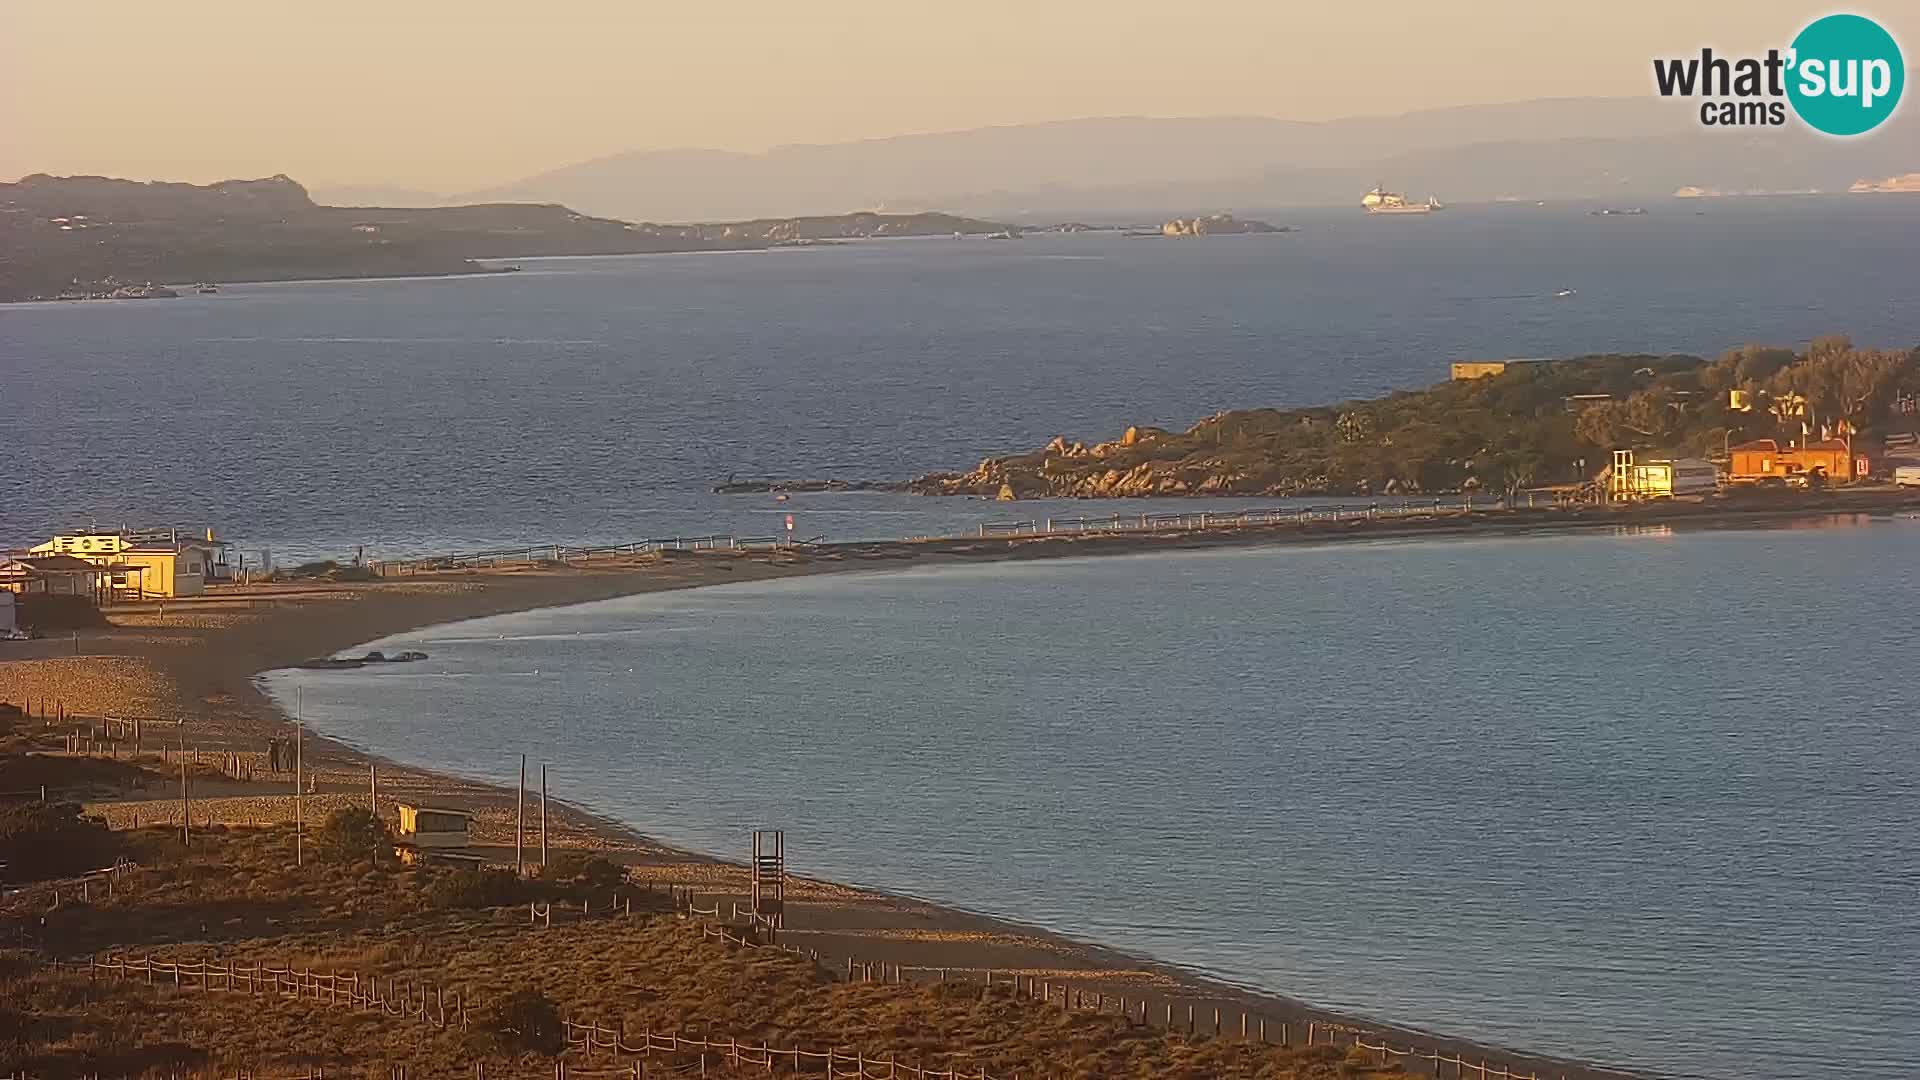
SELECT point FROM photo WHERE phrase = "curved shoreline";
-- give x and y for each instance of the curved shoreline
(1190, 984)
(230, 643)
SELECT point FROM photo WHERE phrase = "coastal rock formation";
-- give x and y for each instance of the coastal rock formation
(1548, 423)
(1907, 183)
(1218, 224)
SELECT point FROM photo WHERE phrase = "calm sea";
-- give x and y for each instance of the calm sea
(1646, 799)
(588, 400)
(1649, 799)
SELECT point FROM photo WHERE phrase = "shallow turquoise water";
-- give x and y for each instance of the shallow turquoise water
(1652, 799)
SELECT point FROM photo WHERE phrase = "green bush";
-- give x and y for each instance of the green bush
(42, 840)
(526, 1021)
(474, 887)
(354, 835)
(589, 875)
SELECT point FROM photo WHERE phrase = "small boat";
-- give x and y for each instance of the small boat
(1563, 294)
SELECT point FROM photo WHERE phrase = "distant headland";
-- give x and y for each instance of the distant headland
(91, 236)
(1501, 427)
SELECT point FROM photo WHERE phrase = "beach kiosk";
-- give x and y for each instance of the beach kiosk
(433, 833)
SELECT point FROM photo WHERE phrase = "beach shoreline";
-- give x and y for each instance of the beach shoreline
(199, 661)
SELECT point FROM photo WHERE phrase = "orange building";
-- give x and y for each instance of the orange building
(1764, 458)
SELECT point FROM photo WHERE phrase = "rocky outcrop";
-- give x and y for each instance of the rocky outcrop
(1218, 225)
(1143, 461)
(1907, 183)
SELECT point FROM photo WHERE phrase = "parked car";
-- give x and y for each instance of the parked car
(1906, 476)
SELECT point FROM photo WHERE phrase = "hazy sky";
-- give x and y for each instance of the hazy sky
(449, 96)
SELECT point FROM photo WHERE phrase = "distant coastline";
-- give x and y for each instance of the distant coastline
(92, 234)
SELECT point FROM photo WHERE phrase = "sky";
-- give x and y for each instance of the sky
(454, 96)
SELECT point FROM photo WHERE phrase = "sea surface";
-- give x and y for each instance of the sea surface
(1651, 799)
(596, 400)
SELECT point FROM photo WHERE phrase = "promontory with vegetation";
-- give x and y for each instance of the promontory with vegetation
(75, 235)
(1531, 424)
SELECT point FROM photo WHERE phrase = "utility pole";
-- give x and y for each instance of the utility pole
(299, 789)
(373, 788)
(520, 821)
(543, 820)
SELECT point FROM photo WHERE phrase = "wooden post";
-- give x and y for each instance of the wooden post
(520, 831)
(186, 815)
(373, 788)
(543, 820)
(299, 790)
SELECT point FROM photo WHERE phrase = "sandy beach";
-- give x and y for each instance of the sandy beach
(194, 661)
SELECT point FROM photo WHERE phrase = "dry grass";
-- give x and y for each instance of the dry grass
(236, 898)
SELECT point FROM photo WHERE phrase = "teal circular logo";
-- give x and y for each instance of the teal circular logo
(1846, 75)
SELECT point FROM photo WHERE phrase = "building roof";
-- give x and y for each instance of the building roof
(1760, 444)
(434, 810)
(59, 564)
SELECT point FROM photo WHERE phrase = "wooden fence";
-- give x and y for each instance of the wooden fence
(441, 1008)
(1203, 520)
(1182, 1014)
(433, 1005)
(589, 1039)
(560, 554)
(552, 554)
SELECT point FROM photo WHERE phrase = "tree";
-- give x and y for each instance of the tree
(1652, 415)
(1354, 427)
(1866, 382)
(1603, 424)
(601, 876)
(354, 835)
(523, 1022)
(1755, 364)
(42, 840)
(1517, 471)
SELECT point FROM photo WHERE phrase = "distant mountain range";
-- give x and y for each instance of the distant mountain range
(1146, 168)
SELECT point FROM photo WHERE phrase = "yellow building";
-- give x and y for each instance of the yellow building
(1629, 480)
(152, 564)
(1483, 369)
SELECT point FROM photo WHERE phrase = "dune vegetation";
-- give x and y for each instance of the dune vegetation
(236, 898)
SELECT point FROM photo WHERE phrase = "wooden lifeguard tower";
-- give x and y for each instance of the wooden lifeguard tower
(770, 877)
